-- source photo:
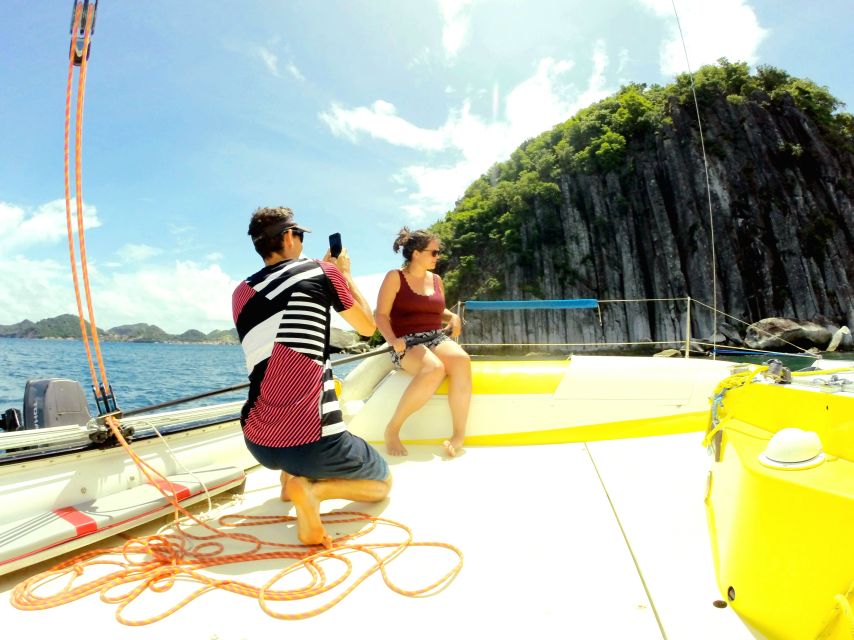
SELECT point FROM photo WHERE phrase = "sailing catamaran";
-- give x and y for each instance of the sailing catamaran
(598, 531)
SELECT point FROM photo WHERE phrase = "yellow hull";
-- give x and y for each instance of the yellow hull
(783, 539)
(583, 399)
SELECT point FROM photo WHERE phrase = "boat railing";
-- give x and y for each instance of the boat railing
(686, 342)
(469, 306)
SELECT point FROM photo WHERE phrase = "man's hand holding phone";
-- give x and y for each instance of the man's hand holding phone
(335, 246)
(337, 254)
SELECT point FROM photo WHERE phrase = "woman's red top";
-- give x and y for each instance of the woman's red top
(412, 312)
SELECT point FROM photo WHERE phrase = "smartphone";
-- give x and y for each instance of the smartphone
(335, 245)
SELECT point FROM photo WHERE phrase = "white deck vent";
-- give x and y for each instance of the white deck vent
(793, 448)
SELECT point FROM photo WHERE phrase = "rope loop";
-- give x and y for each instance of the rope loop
(158, 563)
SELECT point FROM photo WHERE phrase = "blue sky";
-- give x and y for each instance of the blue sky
(361, 116)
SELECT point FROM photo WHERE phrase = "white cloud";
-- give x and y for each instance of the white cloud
(294, 71)
(34, 289)
(725, 28)
(267, 55)
(138, 252)
(216, 256)
(381, 121)
(270, 59)
(20, 227)
(471, 144)
(369, 285)
(176, 297)
(455, 14)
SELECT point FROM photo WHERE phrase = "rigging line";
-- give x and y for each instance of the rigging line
(75, 26)
(626, 540)
(78, 166)
(708, 185)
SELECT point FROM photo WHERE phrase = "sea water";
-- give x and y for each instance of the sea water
(141, 374)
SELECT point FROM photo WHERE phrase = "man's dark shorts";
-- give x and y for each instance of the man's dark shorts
(342, 455)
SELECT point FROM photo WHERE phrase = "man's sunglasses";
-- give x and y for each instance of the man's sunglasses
(296, 234)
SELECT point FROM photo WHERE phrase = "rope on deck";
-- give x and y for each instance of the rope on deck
(154, 564)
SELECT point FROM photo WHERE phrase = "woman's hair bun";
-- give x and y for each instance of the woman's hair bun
(402, 238)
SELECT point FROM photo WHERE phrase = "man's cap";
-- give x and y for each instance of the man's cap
(279, 228)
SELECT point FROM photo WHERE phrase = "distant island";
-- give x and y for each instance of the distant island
(67, 326)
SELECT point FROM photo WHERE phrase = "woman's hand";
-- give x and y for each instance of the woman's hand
(399, 345)
(456, 325)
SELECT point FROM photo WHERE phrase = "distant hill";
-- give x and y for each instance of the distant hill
(139, 332)
(67, 326)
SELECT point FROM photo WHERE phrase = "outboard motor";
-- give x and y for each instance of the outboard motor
(54, 402)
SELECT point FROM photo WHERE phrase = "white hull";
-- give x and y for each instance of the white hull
(59, 503)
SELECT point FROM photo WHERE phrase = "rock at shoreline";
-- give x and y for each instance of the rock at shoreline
(347, 341)
(780, 334)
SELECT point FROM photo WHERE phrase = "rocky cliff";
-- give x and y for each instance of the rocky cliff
(614, 205)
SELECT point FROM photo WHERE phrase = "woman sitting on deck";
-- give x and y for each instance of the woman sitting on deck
(410, 313)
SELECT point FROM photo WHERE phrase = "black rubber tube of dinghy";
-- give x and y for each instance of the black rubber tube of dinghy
(245, 385)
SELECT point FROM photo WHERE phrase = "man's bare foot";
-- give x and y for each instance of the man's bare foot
(453, 446)
(393, 444)
(309, 526)
(283, 478)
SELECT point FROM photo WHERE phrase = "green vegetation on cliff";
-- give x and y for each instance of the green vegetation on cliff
(486, 224)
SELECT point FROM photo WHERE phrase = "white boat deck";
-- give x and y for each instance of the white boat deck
(545, 554)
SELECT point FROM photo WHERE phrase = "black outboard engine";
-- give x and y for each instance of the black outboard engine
(54, 402)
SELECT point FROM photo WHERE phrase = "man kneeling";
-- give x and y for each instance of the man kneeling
(291, 420)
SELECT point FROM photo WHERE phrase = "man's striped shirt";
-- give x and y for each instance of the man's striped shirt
(282, 315)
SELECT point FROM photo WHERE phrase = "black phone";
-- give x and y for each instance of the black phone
(335, 245)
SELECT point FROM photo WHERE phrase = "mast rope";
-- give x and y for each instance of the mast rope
(82, 22)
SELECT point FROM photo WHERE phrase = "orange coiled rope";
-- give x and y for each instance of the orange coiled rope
(87, 22)
(157, 563)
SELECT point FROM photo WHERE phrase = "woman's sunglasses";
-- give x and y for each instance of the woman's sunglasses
(434, 252)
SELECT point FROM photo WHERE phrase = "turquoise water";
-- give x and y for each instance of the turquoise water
(141, 373)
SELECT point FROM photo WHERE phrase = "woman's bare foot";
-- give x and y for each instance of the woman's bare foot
(453, 446)
(283, 478)
(309, 526)
(393, 444)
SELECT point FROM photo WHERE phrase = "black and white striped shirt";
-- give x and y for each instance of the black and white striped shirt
(283, 318)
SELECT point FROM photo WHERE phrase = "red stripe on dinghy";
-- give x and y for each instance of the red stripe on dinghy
(180, 491)
(120, 523)
(82, 522)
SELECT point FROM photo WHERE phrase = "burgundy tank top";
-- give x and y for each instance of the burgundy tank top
(412, 312)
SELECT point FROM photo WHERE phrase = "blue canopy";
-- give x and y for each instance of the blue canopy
(501, 305)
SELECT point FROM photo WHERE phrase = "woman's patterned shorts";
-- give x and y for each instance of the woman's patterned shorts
(430, 339)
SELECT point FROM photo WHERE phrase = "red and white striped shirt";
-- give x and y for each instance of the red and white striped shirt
(283, 318)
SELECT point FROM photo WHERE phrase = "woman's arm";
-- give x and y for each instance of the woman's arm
(449, 317)
(382, 314)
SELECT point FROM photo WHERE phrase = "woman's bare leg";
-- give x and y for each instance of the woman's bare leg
(428, 372)
(458, 367)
